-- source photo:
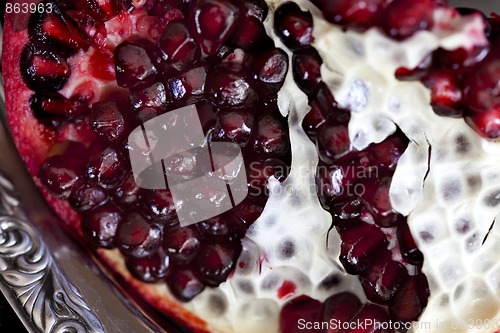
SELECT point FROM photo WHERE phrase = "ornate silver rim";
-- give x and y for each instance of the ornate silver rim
(29, 274)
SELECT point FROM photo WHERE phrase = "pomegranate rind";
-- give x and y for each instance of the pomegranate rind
(34, 141)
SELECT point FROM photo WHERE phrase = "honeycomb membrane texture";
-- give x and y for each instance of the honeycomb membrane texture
(448, 180)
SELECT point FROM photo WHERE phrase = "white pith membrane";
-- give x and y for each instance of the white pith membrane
(461, 190)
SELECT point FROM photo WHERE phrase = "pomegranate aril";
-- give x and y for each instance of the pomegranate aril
(181, 243)
(153, 97)
(297, 309)
(107, 168)
(215, 226)
(446, 92)
(234, 126)
(271, 136)
(213, 22)
(259, 172)
(161, 7)
(149, 269)
(351, 13)
(360, 245)
(228, 88)
(92, 30)
(61, 175)
(410, 299)
(100, 225)
(388, 152)
(306, 65)
(486, 124)
(188, 87)
(176, 49)
(108, 119)
(293, 26)
(43, 69)
(248, 210)
(102, 65)
(249, 34)
(215, 261)
(382, 278)
(380, 205)
(481, 93)
(402, 18)
(409, 249)
(52, 105)
(87, 197)
(340, 308)
(137, 237)
(134, 67)
(159, 206)
(333, 141)
(128, 192)
(55, 29)
(184, 284)
(270, 69)
(376, 320)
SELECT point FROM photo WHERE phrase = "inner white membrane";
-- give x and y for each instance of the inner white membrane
(289, 251)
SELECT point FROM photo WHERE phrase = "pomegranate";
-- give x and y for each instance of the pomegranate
(81, 77)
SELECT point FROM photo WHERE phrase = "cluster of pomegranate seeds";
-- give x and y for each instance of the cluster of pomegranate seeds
(198, 58)
(399, 19)
(463, 82)
(354, 187)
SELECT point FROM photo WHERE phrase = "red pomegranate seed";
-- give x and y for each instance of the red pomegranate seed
(340, 308)
(136, 236)
(214, 21)
(87, 197)
(215, 261)
(229, 88)
(134, 67)
(408, 247)
(152, 97)
(104, 9)
(128, 192)
(333, 141)
(55, 29)
(42, 69)
(248, 210)
(249, 34)
(52, 105)
(159, 206)
(259, 172)
(417, 73)
(410, 299)
(293, 26)
(108, 120)
(91, 29)
(107, 168)
(176, 48)
(402, 18)
(486, 124)
(149, 269)
(188, 87)
(182, 243)
(481, 93)
(234, 126)
(271, 136)
(446, 92)
(100, 224)
(184, 284)
(382, 278)
(375, 317)
(306, 65)
(101, 65)
(360, 246)
(380, 205)
(270, 70)
(61, 175)
(302, 307)
(388, 152)
(352, 13)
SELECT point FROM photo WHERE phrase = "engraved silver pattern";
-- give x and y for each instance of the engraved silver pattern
(30, 273)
